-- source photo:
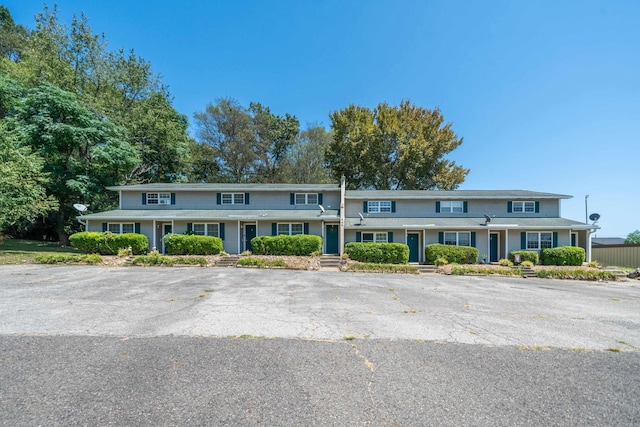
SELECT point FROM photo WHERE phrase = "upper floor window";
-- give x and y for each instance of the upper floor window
(290, 229)
(524, 207)
(460, 238)
(379, 206)
(158, 198)
(206, 229)
(233, 198)
(539, 240)
(306, 198)
(452, 207)
(380, 237)
(120, 228)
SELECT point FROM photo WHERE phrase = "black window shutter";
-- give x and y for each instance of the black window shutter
(136, 228)
(465, 207)
(274, 229)
(437, 207)
(173, 198)
(292, 199)
(104, 226)
(393, 206)
(189, 227)
(510, 207)
(306, 228)
(365, 207)
(246, 198)
(390, 236)
(441, 237)
(221, 229)
(555, 239)
(473, 239)
(358, 236)
(144, 198)
(537, 207)
(319, 198)
(523, 240)
(218, 198)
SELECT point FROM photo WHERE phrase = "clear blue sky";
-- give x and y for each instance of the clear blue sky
(545, 93)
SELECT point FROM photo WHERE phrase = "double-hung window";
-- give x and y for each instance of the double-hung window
(452, 207)
(233, 198)
(290, 228)
(379, 206)
(460, 238)
(379, 237)
(524, 207)
(206, 229)
(158, 198)
(306, 198)
(120, 228)
(541, 240)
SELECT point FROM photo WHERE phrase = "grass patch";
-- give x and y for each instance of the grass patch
(68, 259)
(532, 348)
(19, 251)
(260, 263)
(349, 338)
(576, 274)
(156, 259)
(383, 268)
(462, 271)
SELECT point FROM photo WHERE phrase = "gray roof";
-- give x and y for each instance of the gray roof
(464, 223)
(226, 187)
(599, 241)
(454, 194)
(210, 215)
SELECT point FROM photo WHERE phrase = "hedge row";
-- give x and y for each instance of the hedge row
(379, 253)
(180, 244)
(524, 256)
(563, 255)
(297, 245)
(107, 243)
(453, 254)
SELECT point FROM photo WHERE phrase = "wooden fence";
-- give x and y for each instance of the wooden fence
(618, 255)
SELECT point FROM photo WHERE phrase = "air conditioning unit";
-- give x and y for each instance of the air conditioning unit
(164, 202)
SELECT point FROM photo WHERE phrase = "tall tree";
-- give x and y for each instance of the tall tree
(13, 38)
(394, 148)
(633, 238)
(305, 164)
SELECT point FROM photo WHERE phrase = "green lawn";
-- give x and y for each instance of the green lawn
(18, 251)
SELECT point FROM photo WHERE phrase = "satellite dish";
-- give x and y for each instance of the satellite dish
(361, 217)
(80, 207)
(594, 217)
(321, 208)
(487, 218)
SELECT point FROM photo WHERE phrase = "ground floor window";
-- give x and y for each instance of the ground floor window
(290, 229)
(380, 237)
(202, 229)
(459, 238)
(120, 228)
(537, 241)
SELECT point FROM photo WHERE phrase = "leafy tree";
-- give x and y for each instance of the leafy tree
(394, 148)
(633, 238)
(12, 37)
(306, 157)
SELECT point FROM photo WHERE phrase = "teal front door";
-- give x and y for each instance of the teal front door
(493, 247)
(249, 233)
(166, 229)
(413, 241)
(331, 239)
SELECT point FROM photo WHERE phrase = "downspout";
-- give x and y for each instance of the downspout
(342, 193)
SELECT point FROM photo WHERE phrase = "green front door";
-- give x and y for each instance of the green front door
(249, 233)
(331, 239)
(413, 241)
(493, 247)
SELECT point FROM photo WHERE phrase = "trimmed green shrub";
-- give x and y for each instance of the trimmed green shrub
(379, 253)
(524, 256)
(297, 245)
(107, 243)
(156, 259)
(505, 262)
(181, 244)
(453, 254)
(383, 268)
(563, 255)
(68, 259)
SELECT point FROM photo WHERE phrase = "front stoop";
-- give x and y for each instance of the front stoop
(426, 268)
(227, 261)
(527, 272)
(330, 261)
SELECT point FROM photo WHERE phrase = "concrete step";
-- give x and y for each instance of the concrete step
(330, 261)
(527, 272)
(227, 261)
(426, 268)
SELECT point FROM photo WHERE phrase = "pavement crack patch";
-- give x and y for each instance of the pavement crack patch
(372, 368)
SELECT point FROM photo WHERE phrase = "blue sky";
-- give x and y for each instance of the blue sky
(546, 94)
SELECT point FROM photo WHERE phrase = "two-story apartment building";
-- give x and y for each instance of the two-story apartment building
(495, 222)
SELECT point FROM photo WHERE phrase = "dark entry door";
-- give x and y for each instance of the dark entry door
(493, 247)
(249, 233)
(166, 229)
(413, 241)
(331, 239)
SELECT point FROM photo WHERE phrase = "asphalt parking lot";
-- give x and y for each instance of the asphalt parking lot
(207, 346)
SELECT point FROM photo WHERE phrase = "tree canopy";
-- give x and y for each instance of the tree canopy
(393, 148)
(633, 238)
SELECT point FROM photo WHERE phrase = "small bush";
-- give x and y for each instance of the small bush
(180, 244)
(383, 268)
(577, 274)
(563, 255)
(157, 259)
(524, 256)
(297, 245)
(453, 254)
(261, 263)
(124, 252)
(505, 262)
(108, 243)
(441, 261)
(246, 253)
(526, 264)
(379, 253)
(593, 264)
(68, 259)
(461, 271)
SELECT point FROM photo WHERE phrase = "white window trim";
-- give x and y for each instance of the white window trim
(233, 198)
(522, 204)
(457, 233)
(206, 228)
(120, 226)
(375, 235)
(158, 198)
(378, 209)
(539, 241)
(306, 198)
(449, 209)
(290, 227)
